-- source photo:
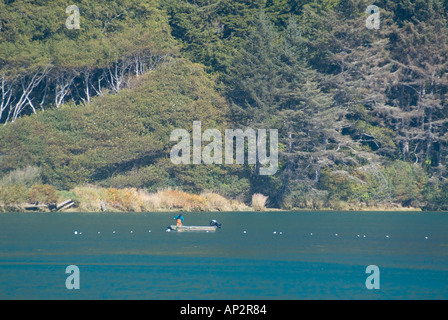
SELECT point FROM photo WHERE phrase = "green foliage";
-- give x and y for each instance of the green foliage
(344, 186)
(43, 193)
(151, 177)
(13, 194)
(27, 177)
(117, 133)
(362, 114)
(108, 32)
(435, 193)
(43, 63)
(408, 182)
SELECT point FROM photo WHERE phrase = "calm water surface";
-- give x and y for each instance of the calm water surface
(293, 255)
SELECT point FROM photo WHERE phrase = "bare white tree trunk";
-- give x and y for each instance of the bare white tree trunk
(64, 81)
(154, 60)
(99, 91)
(86, 79)
(115, 75)
(139, 65)
(30, 103)
(7, 88)
(28, 83)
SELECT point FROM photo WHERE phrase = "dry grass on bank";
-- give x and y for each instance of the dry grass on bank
(259, 202)
(95, 199)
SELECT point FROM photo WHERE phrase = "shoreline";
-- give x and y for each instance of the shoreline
(20, 209)
(130, 200)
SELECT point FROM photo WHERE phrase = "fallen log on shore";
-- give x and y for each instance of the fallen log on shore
(35, 207)
(65, 204)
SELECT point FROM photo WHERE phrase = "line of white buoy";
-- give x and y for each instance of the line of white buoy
(76, 232)
(336, 235)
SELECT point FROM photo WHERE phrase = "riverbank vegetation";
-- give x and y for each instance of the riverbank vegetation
(96, 199)
(362, 114)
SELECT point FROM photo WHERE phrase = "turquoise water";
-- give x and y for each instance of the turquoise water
(272, 255)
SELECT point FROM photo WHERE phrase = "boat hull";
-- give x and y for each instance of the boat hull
(193, 228)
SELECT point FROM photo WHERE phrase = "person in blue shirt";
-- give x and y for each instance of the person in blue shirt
(179, 219)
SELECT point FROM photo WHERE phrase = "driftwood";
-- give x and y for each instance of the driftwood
(49, 207)
(65, 205)
(29, 206)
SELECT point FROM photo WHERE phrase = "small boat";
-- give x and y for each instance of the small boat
(210, 228)
(193, 228)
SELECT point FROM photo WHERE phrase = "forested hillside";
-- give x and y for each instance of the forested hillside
(362, 114)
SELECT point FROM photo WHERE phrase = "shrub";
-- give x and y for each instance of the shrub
(121, 199)
(13, 194)
(344, 186)
(176, 199)
(436, 194)
(216, 202)
(407, 181)
(92, 198)
(65, 195)
(141, 178)
(259, 202)
(43, 193)
(88, 198)
(27, 176)
(148, 201)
